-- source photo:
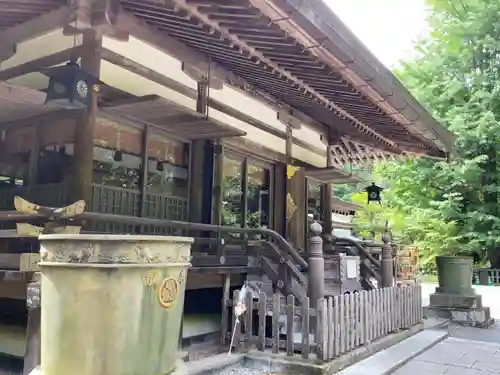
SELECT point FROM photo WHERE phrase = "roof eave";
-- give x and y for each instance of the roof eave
(359, 64)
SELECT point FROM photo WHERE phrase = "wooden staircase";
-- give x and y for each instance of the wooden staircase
(348, 268)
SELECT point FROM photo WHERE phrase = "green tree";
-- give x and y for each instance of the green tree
(457, 76)
(423, 227)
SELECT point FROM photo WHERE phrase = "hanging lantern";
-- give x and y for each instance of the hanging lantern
(373, 193)
(70, 86)
(118, 156)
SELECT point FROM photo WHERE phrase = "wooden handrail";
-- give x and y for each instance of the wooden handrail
(143, 221)
(360, 249)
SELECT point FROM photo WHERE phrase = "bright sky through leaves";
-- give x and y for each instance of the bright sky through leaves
(386, 27)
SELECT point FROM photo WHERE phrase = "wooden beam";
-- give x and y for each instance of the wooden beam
(254, 149)
(142, 71)
(196, 60)
(13, 289)
(29, 262)
(10, 261)
(21, 94)
(12, 36)
(40, 118)
(163, 80)
(39, 64)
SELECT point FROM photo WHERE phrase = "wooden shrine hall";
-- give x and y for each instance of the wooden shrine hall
(227, 114)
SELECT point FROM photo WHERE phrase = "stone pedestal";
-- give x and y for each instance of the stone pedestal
(455, 299)
(111, 304)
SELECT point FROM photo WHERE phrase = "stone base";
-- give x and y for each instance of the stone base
(473, 301)
(472, 317)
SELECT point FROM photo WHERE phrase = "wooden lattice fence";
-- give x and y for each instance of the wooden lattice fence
(336, 326)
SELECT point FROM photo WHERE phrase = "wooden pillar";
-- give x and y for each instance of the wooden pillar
(196, 183)
(32, 354)
(244, 194)
(316, 263)
(387, 263)
(208, 181)
(198, 163)
(296, 224)
(145, 167)
(202, 98)
(295, 199)
(326, 199)
(279, 199)
(217, 183)
(85, 123)
(34, 156)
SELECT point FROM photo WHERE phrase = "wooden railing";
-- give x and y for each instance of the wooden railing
(342, 323)
(53, 195)
(105, 199)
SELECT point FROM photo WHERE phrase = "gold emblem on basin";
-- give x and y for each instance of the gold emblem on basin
(168, 292)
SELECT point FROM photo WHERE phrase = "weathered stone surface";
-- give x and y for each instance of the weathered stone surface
(478, 317)
(392, 358)
(418, 368)
(453, 300)
(455, 357)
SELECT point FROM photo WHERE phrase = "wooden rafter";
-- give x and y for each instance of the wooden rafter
(245, 42)
(211, 20)
(253, 40)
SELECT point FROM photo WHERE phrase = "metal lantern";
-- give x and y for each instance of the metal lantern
(70, 86)
(373, 193)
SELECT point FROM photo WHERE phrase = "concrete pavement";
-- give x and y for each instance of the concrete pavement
(392, 358)
(469, 351)
(455, 357)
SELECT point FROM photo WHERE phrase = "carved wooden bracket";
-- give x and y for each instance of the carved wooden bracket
(287, 119)
(21, 32)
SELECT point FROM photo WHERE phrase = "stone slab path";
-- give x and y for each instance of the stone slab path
(456, 357)
(386, 361)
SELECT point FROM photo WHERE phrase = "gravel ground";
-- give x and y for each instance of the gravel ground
(243, 371)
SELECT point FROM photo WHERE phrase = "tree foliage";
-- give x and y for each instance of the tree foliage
(454, 206)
